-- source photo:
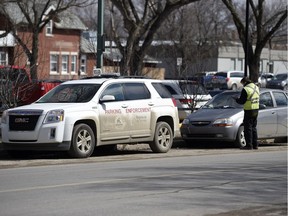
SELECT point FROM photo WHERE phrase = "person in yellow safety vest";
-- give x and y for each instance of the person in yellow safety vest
(250, 98)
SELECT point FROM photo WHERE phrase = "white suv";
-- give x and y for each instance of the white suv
(79, 115)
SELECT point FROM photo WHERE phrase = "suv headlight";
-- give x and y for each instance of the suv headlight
(4, 117)
(54, 116)
(226, 122)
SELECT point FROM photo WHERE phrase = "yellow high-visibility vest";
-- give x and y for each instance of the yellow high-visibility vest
(252, 102)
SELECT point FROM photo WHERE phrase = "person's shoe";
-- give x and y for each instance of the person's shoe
(246, 148)
(255, 147)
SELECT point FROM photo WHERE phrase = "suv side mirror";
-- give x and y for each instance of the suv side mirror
(107, 98)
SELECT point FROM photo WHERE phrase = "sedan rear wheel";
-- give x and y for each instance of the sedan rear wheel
(240, 138)
(163, 138)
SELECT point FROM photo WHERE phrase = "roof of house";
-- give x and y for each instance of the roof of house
(65, 19)
(110, 53)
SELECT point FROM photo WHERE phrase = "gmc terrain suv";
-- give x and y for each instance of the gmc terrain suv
(76, 116)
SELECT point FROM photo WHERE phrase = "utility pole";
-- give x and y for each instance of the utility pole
(246, 39)
(100, 35)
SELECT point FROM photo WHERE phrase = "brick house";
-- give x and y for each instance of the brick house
(59, 44)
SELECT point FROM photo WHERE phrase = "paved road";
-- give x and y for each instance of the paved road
(241, 183)
(209, 181)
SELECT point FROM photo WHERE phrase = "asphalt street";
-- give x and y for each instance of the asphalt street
(195, 181)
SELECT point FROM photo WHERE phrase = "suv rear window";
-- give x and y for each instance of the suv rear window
(163, 91)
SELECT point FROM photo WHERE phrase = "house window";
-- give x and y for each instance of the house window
(240, 66)
(73, 63)
(233, 63)
(54, 63)
(83, 64)
(49, 26)
(2, 58)
(65, 63)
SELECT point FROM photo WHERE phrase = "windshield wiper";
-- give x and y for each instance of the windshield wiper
(224, 107)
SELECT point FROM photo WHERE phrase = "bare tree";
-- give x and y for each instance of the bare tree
(141, 20)
(263, 25)
(36, 15)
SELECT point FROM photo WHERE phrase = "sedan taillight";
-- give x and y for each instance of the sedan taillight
(186, 101)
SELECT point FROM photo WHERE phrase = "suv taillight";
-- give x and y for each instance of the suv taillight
(227, 79)
(174, 102)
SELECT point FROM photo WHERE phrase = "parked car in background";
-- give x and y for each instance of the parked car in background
(17, 88)
(204, 78)
(189, 95)
(227, 80)
(221, 119)
(279, 81)
(264, 78)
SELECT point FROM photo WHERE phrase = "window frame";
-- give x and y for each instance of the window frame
(49, 28)
(73, 64)
(64, 63)
(54, 62)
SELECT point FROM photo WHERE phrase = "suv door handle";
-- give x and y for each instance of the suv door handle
(151, 104)
(124, 106)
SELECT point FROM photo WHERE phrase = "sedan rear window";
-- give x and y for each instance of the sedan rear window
(281, 99)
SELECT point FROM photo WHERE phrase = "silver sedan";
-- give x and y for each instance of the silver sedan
(221, 119)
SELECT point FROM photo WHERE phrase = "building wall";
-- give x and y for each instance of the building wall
(60, 43)
(232, 58)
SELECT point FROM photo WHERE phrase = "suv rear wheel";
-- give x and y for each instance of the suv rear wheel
(163, 138)
(83, 141)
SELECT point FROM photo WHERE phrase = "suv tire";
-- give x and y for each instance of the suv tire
(83, 141)
(163, 138)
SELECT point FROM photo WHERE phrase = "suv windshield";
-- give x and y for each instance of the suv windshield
(223, 101)
(70, 93)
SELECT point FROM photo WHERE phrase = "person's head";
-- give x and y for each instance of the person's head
(245, 80)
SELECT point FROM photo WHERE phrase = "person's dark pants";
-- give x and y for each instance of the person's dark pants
(250, 128)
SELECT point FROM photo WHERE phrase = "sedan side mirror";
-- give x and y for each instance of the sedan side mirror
(262, 106)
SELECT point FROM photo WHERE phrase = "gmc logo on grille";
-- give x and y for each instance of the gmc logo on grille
(21, 120)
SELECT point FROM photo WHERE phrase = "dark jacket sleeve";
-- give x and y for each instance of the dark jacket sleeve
(243, 97)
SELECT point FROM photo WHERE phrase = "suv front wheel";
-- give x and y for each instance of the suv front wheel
(163, 138)
(83, 141)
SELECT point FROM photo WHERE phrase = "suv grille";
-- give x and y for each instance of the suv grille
(23, 120)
